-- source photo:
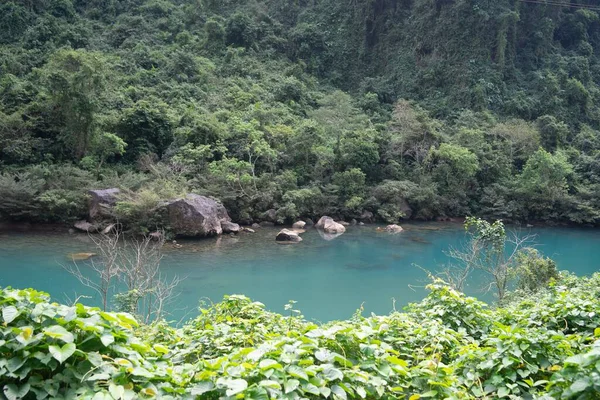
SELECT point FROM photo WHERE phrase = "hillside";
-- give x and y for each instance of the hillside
(305, 107)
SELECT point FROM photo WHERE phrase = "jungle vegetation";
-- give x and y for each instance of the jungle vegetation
(454, 107)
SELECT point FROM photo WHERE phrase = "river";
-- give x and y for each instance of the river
(329, 279)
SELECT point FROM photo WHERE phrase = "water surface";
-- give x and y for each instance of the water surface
(330, 279)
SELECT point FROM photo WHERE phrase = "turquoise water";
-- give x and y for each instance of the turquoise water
(329, 279)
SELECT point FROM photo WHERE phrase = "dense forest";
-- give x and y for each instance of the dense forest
(406, 108)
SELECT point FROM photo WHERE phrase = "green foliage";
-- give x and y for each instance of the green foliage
(534, 271)
(449, 346)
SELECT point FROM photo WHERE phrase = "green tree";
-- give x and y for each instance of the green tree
(76, 81)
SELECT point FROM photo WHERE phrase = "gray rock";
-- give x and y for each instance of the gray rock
(393, 228)
(230, 227)
(102, 202)
(366, 217)
(353, 222)
(249, 230)
(343, 223)
(328, 236)
(299, 225)
(286, 235)
(109, 229)
(309, 222)
(328, 225)
(255, 226)
(195, 216)
(156, 235)
(85, 226)
(361, 223)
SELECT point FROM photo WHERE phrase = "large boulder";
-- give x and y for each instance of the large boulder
(299, 225)
(85, 226)
(286, 235)
(230, 227)
(195, 216)
(393, 228)
(328, 225)
(101, 202)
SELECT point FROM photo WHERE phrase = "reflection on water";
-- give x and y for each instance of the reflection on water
(329, 278)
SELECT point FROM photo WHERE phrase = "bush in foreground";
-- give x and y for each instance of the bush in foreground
(448, 346)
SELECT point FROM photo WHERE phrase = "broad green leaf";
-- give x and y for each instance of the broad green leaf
(291, 385)
(503, 392)
(297, 372)
(202, 387)
(116, 391)
(107, 339)
(14, 392)
(61, 354)
(14, 363)
(236, 386)
(256, 393)
(338, 392)
(332, 374)
(9, 314)
(60, 333)
(270, 384)
(580, 385)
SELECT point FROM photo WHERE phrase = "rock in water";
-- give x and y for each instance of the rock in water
(299, 225)
(286, 235)
(81, 256)
(85, 226)
(101, 202)
(309, 222)
(255, 226)
(393, 228)
(249, 230)
(328, 225)
(196, 216)
(230, 227)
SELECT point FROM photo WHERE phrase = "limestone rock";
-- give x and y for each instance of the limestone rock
(81, 256)
(85, 226)
(249, 230)
(328, 225)
(286, 235)
(299, 225)
(230, 227)
(109, 228)
(393, 228)
(101, 202)
(195, 216)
